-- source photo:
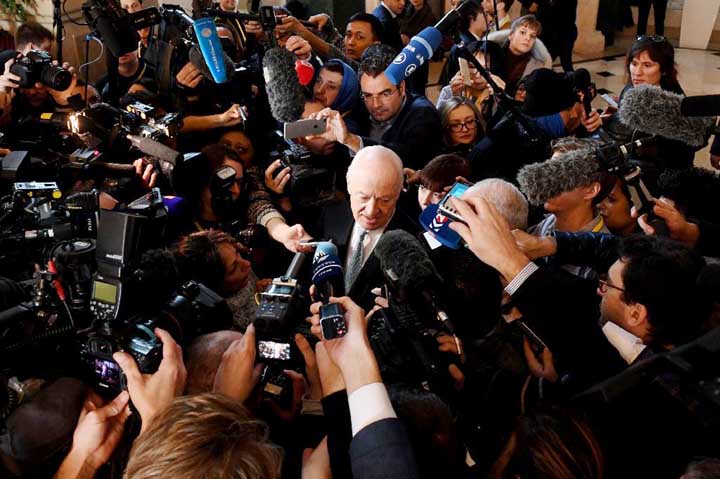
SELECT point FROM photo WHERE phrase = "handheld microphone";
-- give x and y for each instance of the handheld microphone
(285, 94)
(207, 37)
(328, 278)
(650, 109)
(167, 157)
(327, 271)
(305, 72)
(439, 226)
(423, 45)
(419, 50)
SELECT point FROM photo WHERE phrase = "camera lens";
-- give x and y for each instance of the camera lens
(56, 78)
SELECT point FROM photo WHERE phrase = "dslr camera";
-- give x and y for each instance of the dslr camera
(37, 67)
(137, 339)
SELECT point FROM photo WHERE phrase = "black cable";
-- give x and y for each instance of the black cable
(70, 18)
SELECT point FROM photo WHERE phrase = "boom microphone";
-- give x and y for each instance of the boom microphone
(285, 95)
(567, 171)
(327, 271)
(650, 109)
(702, 105)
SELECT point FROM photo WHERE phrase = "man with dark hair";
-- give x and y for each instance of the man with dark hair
(651, 291)
(362, 31)
(406, 123)
(33, 33)
(39, 98)
(387, 12)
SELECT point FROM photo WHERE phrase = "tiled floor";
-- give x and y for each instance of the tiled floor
(699, 74)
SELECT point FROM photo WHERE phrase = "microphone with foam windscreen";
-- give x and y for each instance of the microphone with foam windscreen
(566, 172)
(438, 225)
(197, 59)
(419, 50)
(422, 46)
(285, 94)
(211, 48)
(411, 275)
(328, 278)
(327, 271)
(650, 109)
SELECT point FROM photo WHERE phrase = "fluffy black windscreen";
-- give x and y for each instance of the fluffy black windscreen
(285, 94)
(400, 252)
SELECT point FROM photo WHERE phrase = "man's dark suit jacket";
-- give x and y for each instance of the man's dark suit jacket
(382, 450)
(391, 27)
(336, 223)
(415, 135)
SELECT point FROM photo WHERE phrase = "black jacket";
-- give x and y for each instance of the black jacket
(391, 27)
(382, 450)
(563, 310)
(415, 135)
(336, 223)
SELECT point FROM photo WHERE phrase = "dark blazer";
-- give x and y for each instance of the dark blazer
(382, 450)
(415, 135)
(336, 223)
(391, 27)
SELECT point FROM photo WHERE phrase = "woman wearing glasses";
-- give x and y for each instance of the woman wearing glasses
(461, 123)
(651, 61)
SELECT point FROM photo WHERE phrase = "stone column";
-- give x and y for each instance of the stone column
(698, 21)
(589, 41)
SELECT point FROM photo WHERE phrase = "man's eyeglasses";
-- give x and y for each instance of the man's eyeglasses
(383, 95)
(651, 38)
(457, 127)
(605, 284)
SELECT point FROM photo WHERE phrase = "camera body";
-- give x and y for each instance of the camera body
(37, 67)
(310, 186)
(137, 339)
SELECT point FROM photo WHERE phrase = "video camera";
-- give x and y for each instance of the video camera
(104, 125)
(36, 211)
(36, 67)
(311, 185)
(117, 28)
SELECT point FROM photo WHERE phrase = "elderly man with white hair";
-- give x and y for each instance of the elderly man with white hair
(374, 180)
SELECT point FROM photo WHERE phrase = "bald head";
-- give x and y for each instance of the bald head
(374, 180)
(505, 197)
(204, 357)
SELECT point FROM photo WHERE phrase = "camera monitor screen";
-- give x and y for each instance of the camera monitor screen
(104, 292)
(273, 350)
